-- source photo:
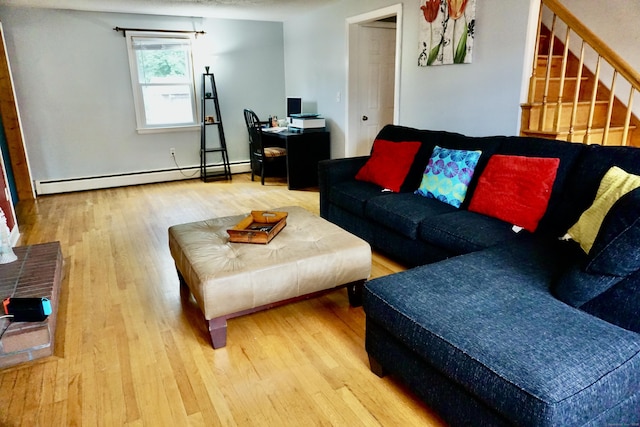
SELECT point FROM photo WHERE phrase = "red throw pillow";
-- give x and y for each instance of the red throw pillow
(515, 189)
(389, 163)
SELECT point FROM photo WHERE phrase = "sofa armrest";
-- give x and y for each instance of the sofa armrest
(334, 171)
(620, 304)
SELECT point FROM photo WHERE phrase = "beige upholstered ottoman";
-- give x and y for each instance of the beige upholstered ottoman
(309, 256)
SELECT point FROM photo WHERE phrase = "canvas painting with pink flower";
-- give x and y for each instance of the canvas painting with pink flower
(446, 32)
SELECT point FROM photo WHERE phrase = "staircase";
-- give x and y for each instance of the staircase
(567, 101)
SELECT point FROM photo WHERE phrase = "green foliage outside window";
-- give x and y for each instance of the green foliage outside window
(158, 65)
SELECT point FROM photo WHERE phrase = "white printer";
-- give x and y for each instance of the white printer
(306, 121)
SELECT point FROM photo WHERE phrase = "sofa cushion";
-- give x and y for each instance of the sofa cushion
(487, 145)
(614, 255)
(487, 321)
(448, 174)
(615, 184)
(581, 185)
(404, 212)
(431, 138)
(553, 221)
(428, 139)
(462, 231)
(353, 195)
(618, 304)
(576, 286)
(389, 163)
(615, 250)
(515, 189)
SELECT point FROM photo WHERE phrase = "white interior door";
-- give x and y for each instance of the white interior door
(373, 76)
(376, 85)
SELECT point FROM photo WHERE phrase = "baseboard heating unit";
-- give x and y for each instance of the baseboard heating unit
(122, 180)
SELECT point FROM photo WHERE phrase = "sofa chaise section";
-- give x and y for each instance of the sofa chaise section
(487, 329)
(499, 322)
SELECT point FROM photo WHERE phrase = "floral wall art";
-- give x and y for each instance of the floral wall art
(446, 32)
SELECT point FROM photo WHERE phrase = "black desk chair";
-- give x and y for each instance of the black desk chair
(272, 158)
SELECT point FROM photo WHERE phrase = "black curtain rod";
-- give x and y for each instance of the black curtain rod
(124, 31)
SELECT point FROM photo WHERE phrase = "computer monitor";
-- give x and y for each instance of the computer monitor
(294, 106)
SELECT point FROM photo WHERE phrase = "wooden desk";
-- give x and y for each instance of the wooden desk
(304, 151)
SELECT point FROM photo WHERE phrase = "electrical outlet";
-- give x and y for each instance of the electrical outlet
(172, 151)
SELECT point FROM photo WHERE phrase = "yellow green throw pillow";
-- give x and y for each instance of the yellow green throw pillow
(615, 184)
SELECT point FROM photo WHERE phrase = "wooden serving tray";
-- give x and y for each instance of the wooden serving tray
(259, 227)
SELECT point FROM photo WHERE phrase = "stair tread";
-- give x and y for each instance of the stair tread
(579, 128)
(555, 59)
(570, 78)
(567, 103)
(548, 107)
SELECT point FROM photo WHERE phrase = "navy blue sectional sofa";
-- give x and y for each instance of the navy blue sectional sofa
(495, 327)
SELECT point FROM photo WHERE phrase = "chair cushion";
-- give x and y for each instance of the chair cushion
(275, 151)
(487, 322)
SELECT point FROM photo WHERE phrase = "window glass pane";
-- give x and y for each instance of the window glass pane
(162, 77)
(163, 66)
(167, 104)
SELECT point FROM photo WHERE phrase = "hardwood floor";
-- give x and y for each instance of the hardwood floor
(130, 350)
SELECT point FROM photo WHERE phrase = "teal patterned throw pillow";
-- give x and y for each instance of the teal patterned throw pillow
(448, 174)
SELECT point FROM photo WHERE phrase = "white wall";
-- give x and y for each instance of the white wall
(72, 78)
(481, 98)
(619, 29)
(74, 90)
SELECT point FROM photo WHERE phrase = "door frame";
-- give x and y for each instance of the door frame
(352, 114)
(13, 127)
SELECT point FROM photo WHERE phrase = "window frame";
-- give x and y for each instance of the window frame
(138, 97)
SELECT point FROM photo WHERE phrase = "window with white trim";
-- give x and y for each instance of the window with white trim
(162, 80)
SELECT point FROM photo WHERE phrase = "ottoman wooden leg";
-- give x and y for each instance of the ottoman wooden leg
(218, 332)
(354, 291)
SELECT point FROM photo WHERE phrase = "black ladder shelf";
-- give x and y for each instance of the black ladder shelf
(214, 159)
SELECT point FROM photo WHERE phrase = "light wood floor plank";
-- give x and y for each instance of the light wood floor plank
(132, 347)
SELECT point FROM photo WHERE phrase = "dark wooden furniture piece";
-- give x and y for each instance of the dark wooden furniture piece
(213, 145)
(304, 150)
(264, 157)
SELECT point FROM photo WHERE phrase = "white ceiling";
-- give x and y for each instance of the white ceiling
(262, 10)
